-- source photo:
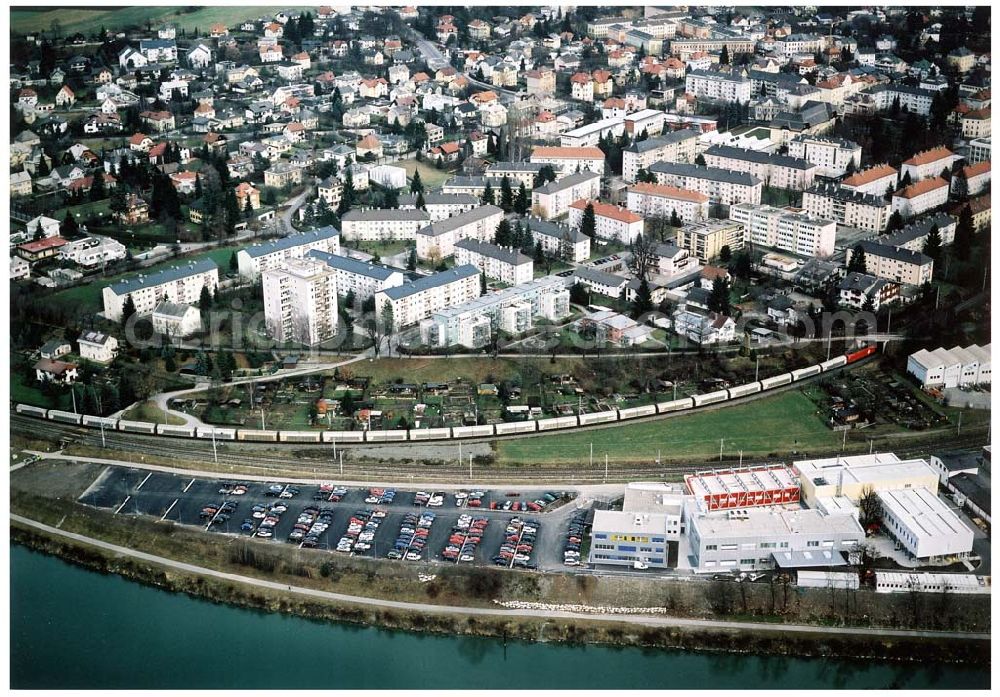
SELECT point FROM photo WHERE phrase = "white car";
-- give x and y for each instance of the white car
(413, 556)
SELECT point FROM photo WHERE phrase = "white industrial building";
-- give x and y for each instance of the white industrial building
(257, 258)
(300, 301)
(955, 367)
(924, 524)
(906, 582)
(851, 476)
(511, 310)
(651, 517)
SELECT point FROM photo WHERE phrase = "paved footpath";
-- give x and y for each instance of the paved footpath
(643, 620)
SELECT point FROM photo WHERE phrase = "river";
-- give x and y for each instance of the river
(76, 629)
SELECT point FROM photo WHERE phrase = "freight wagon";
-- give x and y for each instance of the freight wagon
(803, 373)
(217, 433)
(178, 431)
(516, 427)
(65, 417)
(558, 422)
(430, 433)
(29, 410)
(136, 426)
(675, 405)
(701, 400)
(636, 412)
(343, 436)
(98, 421)
(833, 363)
(472, 431)
(257, 435)
(385, 436)
(776, 381)
(599, 417)
(743, 390)
(299, 436)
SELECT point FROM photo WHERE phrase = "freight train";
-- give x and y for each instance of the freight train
(450, 433)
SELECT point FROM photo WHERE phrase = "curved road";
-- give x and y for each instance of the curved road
(643, 620)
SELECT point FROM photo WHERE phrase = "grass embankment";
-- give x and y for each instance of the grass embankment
(148, 411)
(782, 423)
(26, 20)
(430, 176)
(479, 586)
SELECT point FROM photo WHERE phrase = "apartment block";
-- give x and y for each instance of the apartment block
(874, 180)
(382, 224)
(676, 146)
(300, 302)
(567, 160)
(419, 299)
(895, 263)
(705, 240)
(787, 229)
(440, 206)
(437, 240)
(257, 258)
(589, 135)
(517, 172)
(831, 155)
(722, 186)
(560, 241)
(181, 284)
(363, 278)
(662, 200)
(504, 264)
(922, 196)
(511, 310)
(611, 222)
(853, 208)
(971, 180)
(913, 235)
(928, 163)
(555, 198)
(707, 84)
(780, 171)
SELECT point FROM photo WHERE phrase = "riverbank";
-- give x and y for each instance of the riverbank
(769, 640)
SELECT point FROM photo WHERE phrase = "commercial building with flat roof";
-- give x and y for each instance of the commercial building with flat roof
(924, 524)
(955, 367)
(853, 475)
(747, 487)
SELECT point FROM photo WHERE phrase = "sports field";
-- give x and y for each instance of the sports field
(778, 424)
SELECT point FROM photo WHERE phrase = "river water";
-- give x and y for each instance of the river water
(73, 628)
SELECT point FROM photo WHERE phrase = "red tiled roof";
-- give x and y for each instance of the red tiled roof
(922, 187)
(41, 245)
(606, 210)
(928, 156)
(869, 175)
(568, 153)
(976, 169)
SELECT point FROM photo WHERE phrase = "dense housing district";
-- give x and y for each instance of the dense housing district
(194, 205)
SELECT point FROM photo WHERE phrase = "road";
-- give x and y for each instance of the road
(427, 608)
(435, 60)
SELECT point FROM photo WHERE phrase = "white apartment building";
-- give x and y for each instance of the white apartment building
(874, 180)
(560, 241)
(831, 155)
(914, 235)
(895, 263)
(707, 84)
(97, 346)
(504, 264)
(555, 198)
(181, 284)
(589, 135)
(922, 196)
(437, 240)
(440, 206)
(720, 185)
(257, 258)
(611, 222)
(517, 172)
(676, 146)
(979, 150)
(786, 229)
(419, 299)
(569, 160)
(382, 224)
(300, 302)
(955, 367)
(176, 320)
(972, 179)
(648, 121)
(93, 251)
(511, 310)
(911, 98)
(928, 164)
(779, 171)
(363, 278)
(662, 200)
(706, 239)
(853, 208)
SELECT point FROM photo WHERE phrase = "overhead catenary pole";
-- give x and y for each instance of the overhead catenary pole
(605, 468)
(262, 426)
(215, 453)
(470, 466)
(721, 443)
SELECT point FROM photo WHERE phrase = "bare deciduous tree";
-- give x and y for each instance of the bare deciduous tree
(643, 257)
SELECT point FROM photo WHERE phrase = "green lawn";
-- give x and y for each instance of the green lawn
(85, 211)
(431, 177)
(24, 20)
(148, 411)
(22, 392)
(781, 423)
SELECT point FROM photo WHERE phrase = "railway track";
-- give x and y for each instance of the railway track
(260, 458)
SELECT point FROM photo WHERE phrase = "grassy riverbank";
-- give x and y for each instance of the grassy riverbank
(577, 631)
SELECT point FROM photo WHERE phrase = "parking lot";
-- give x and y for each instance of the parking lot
(271, 512)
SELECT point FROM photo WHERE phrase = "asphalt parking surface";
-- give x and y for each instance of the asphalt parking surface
(180, 499)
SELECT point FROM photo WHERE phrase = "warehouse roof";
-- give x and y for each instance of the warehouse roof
(858, 469)
(923, 513)
(759, 522)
